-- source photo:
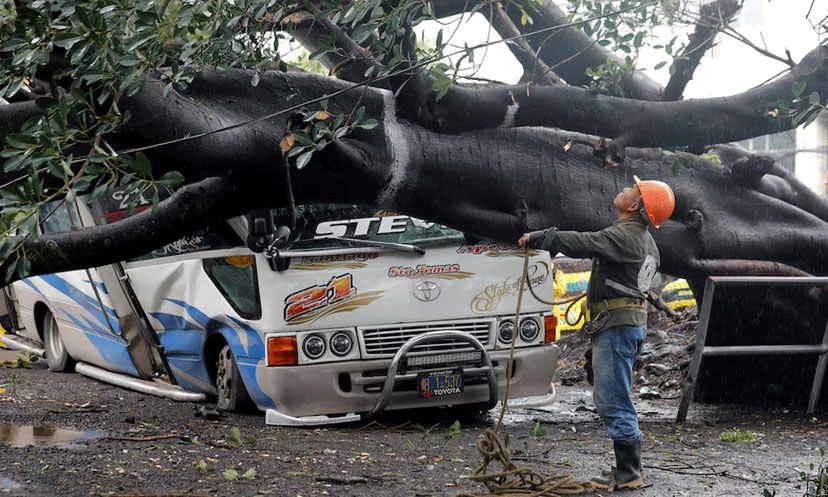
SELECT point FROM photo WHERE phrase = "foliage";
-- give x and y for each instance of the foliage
(816, 478)
(24, 360)
(739, 436)
(453, 430)
(235, 436)
(79, 59)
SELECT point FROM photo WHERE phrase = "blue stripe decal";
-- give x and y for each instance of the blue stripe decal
(172, 322)
(28, 281)
(192, 367)
(247, 365)
(114, 352)
(85, 301)
(86, 328)
(101, 286)
(255, 345)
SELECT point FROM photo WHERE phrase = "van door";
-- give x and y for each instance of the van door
(133, 329)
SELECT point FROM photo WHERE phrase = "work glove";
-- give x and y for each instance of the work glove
(588, 366)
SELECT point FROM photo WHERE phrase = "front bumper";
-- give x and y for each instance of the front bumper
(340, 391)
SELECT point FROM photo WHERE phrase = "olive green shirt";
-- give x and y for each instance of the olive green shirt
(625, 260)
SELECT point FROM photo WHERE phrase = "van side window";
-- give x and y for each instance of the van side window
(57, 216)
(236, 279)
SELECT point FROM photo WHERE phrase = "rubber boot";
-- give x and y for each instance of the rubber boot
(627, 470)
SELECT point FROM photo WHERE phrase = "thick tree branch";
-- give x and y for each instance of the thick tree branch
(534, 68)
(557, 51)
(190, 208)
(713, 17)
(639, 123)
(349, 65)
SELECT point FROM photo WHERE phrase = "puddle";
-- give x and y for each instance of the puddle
(43, 435)
(7, 484)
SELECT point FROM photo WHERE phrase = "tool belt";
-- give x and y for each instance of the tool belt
(597, 314)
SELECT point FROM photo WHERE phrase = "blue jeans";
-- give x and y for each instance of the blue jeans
(613, 353)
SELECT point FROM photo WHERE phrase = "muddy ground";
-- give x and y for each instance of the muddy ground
(134, 444)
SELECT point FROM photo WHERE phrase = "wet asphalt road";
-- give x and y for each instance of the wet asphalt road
(132, 444)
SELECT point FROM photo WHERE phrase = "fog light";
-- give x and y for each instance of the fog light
(282, 351)
(529, 329)
(506, 331)
(313, 347)
(341, 343)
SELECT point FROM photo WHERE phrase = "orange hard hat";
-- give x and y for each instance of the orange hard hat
(658, 200)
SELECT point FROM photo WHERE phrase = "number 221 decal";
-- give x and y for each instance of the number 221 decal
(318, 296)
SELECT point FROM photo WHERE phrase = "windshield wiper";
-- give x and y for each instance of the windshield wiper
(402, 247)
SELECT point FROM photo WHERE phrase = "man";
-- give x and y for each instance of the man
(624, 261)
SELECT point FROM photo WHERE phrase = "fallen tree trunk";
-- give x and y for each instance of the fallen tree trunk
(494, 183)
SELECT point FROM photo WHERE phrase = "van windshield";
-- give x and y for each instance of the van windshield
(319, 225)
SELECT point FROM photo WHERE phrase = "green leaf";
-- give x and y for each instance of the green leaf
(639, 39)
(798, 88)
(10, 270)
(66, 40)
(303, 159)
(230, 474)
(783, 105)
(368, 124)
(139, 40)
(363, 31)
(201, 466)
(302, 138)
(814, 98)
(130, 60)
(660, 64)
(173, 179)
(142, 164)
(18, 141)
(235, 435)
(249, 474)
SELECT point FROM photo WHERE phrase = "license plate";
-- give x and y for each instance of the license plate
(439, 383)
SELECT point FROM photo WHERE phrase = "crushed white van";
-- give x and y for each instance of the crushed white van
(357, 311)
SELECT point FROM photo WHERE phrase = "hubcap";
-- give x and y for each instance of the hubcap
(223, 373)
(55, 343)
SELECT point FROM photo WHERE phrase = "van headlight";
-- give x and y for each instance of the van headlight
(341, 343)
(506, 331)
(529, 329)
(313, 346)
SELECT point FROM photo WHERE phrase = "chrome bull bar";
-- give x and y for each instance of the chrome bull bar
(397, 366)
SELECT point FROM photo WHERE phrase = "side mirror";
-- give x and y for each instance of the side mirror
(260, 228)
(281, 238)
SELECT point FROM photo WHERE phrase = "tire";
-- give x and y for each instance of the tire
(231, 394)
(57, 357)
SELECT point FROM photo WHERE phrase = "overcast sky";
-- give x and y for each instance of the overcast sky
(731, 67)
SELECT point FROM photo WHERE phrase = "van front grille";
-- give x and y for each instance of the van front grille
(385, 341)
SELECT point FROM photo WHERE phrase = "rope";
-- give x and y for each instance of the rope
(571, 300)
(512, 480)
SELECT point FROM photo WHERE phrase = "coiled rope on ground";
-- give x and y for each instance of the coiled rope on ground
(512, 480)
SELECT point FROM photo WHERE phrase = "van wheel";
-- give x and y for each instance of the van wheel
(57, 357)
(232, 396)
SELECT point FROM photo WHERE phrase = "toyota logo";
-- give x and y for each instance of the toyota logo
(426, 291)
